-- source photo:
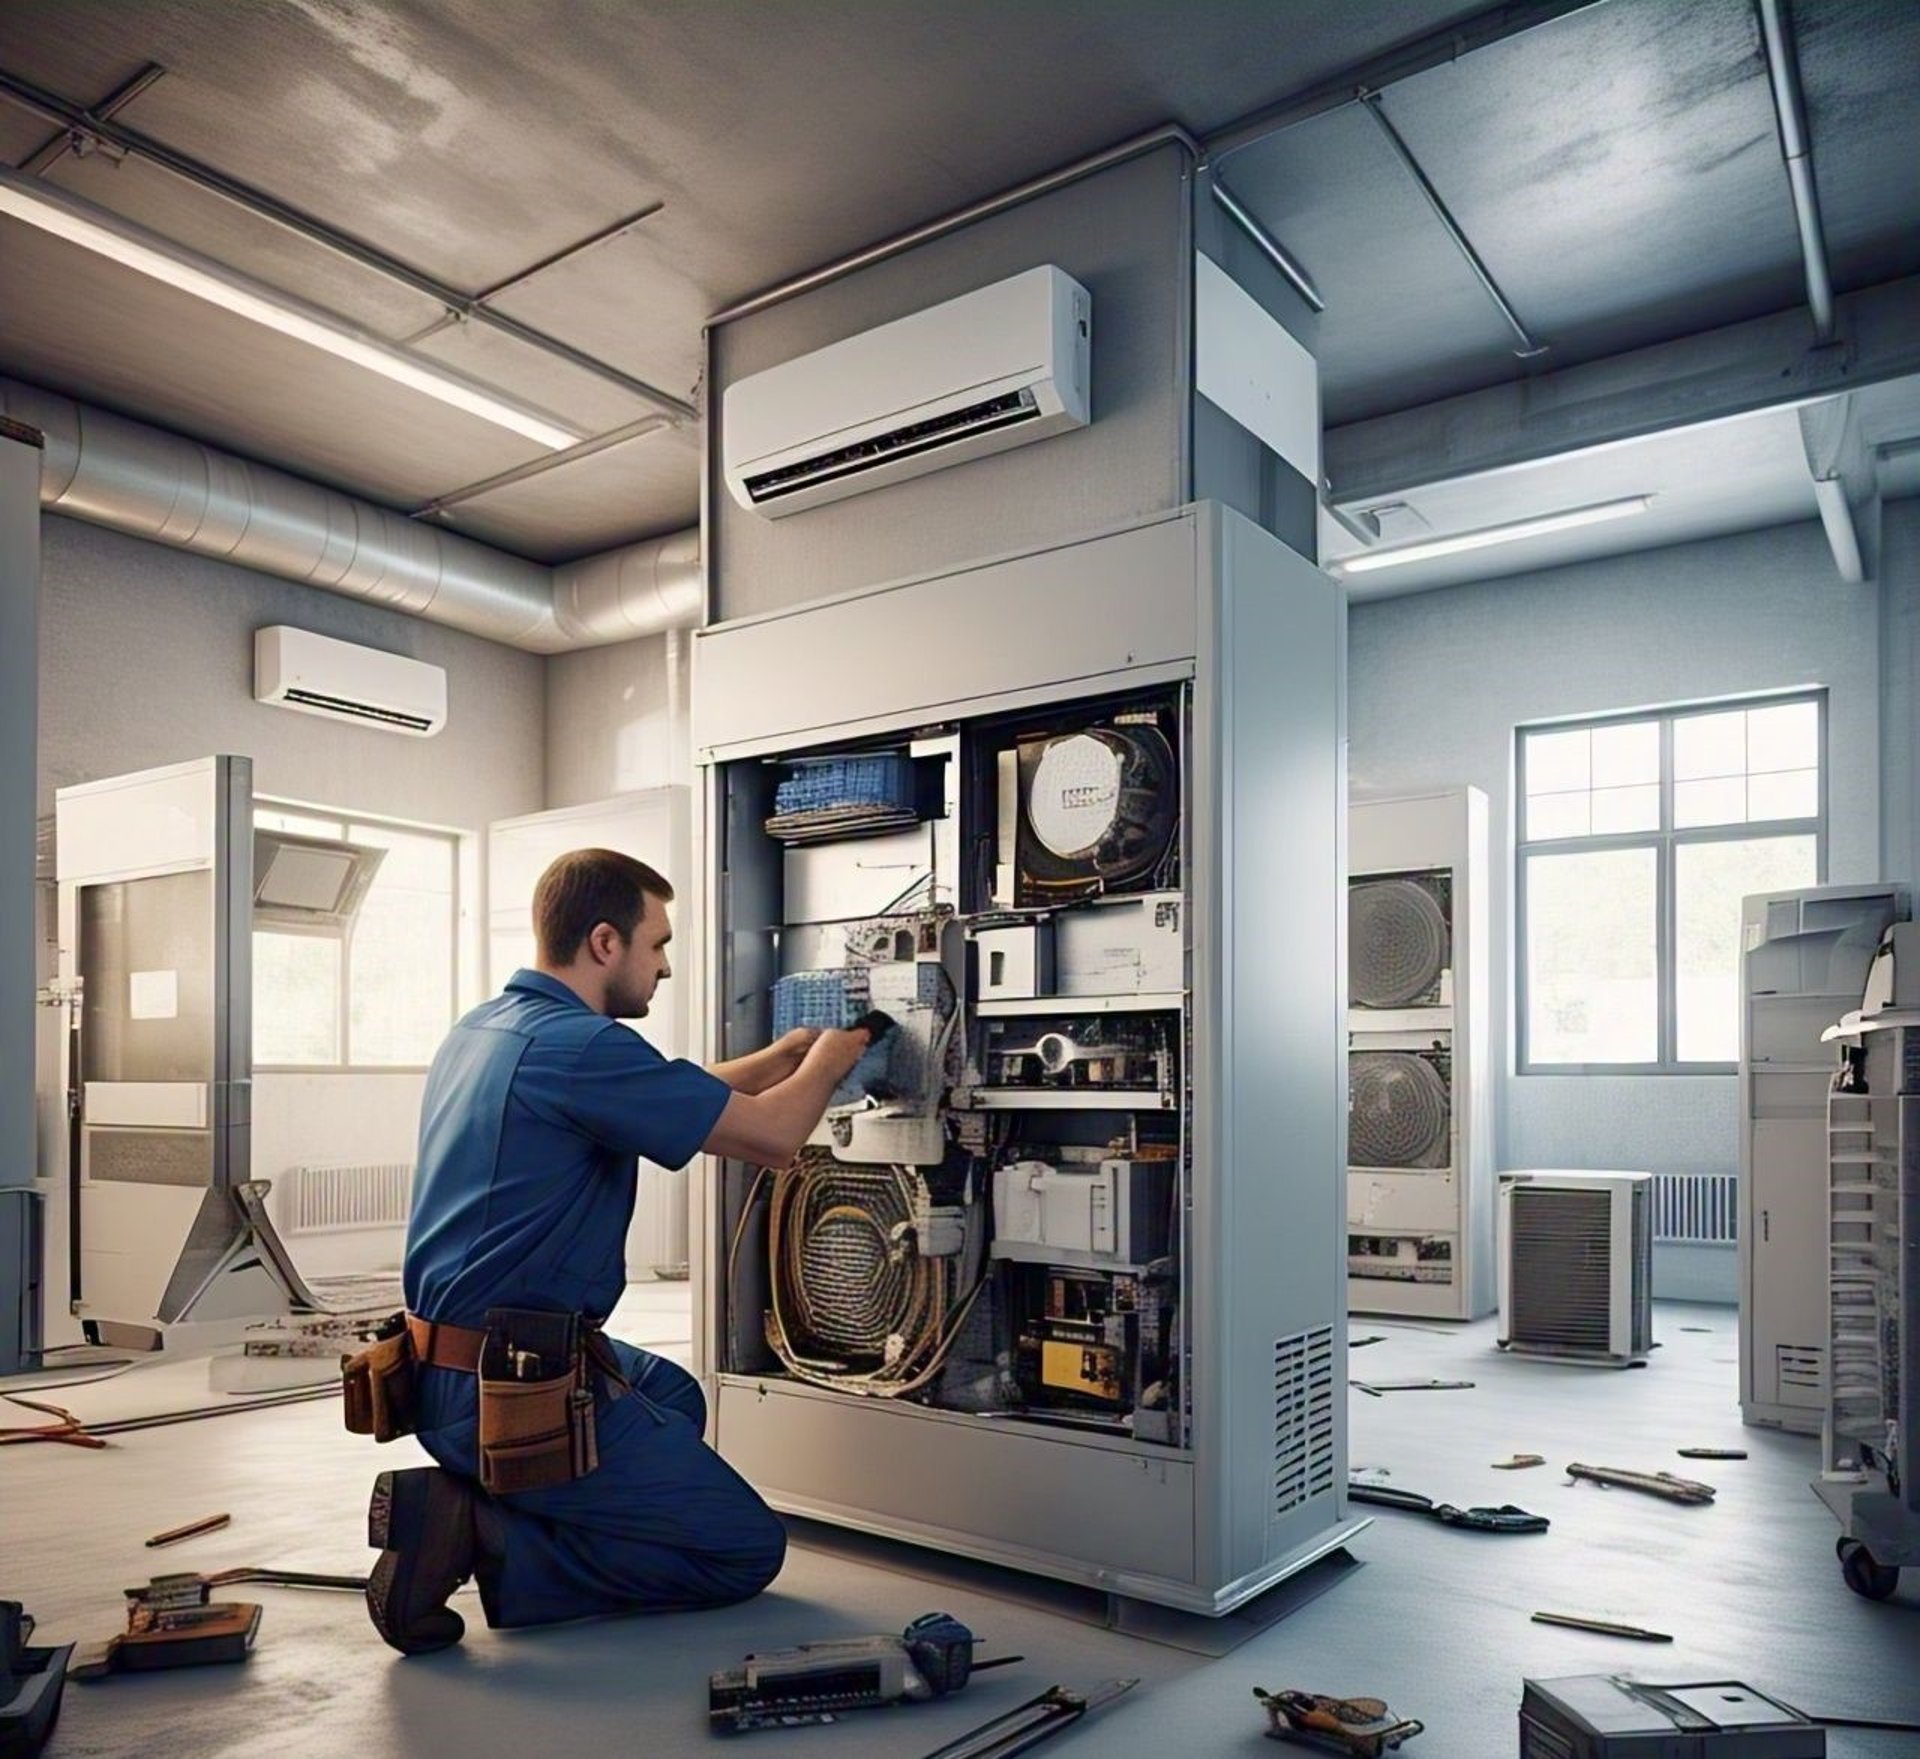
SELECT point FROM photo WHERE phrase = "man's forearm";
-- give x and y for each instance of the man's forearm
(753, 1073)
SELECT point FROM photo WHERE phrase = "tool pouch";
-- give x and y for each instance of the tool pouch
(536, 1401)
(377, 1386)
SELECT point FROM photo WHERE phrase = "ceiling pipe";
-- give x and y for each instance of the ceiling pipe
(1796, 148)
(152, 484)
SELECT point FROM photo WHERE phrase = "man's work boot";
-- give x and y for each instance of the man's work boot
(422, 1519)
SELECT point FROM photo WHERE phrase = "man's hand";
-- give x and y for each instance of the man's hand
(789, 1050)
(839, 1048)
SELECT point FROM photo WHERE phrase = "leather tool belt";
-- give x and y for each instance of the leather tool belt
(536, 1369)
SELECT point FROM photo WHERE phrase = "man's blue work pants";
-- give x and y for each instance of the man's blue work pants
(663, 1524)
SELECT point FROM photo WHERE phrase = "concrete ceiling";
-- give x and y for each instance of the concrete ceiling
(1617, 169)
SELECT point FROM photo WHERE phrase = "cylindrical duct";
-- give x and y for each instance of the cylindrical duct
(639, 590)
(171, 490)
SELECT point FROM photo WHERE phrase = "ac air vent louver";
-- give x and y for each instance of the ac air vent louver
(1303, 1407)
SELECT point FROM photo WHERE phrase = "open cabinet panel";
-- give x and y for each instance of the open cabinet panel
(1057, 1282)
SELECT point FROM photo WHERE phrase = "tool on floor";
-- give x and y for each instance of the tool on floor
(173, 1535)
(1377, 1387)
(1712, 1453)
(1602, 1716)
(1519, 1461)
(1664, 1484)
(1505, 1519)
(1603, 1627)
(1361, 1727)
(173, 1621)
(820, 1682)
(1027, 1725)
(1378, 1337)
(31, 1681)
(68, 1429)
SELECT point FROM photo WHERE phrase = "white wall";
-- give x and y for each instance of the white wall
(146, 658)
(1438, 681)
(616, 721)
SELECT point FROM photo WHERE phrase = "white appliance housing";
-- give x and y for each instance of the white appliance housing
(296, 669)
(1420, 1162)
(1240, 1480)
(1576, 1266)
(992, 369)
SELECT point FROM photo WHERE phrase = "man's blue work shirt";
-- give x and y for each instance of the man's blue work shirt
(535, 1113)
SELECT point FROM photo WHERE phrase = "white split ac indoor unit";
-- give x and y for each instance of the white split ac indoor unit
(1576, 1266)
(296, 669)
(990, 370)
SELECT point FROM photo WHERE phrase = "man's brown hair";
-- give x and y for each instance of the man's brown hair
(586, 887)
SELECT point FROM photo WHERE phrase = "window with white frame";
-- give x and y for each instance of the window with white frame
(380, 994)
(1638, 837)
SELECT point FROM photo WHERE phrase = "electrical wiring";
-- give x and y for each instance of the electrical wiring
(855, 1305)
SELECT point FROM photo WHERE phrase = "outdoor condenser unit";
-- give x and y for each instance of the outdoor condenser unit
(1576, 1266)
(992, 369)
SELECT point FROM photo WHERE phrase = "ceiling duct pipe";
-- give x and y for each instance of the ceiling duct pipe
(152, 484)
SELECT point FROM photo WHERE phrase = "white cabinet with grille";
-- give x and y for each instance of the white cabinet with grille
(1419, 1140)
(1804, 960)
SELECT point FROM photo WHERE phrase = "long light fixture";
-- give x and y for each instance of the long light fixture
(134, 247)
(1490, 535)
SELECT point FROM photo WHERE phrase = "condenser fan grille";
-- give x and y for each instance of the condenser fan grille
(1400, 1110)
(1398, 944)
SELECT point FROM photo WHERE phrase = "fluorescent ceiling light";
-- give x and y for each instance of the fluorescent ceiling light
(1491, 535)
(132, 246)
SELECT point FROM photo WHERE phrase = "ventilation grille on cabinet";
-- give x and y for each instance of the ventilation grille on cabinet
(1399, 939)
(331, 1199)
(1400, 1109)
(1799, 1365)
(1303, 1405)
(1562, 1248)
(149, 1157)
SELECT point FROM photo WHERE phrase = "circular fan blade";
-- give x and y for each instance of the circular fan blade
(1397, 943)
(1400, 1111)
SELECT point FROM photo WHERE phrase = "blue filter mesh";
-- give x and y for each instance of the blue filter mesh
(838, 998)
(818, 784)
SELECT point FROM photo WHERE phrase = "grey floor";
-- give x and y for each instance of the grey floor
(1435, 1621)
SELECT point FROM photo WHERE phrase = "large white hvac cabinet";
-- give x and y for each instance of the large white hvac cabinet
(1419, 1130)
(1804, 960)
(1058, 1284)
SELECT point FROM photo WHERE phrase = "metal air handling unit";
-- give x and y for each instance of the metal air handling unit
(1420, 1138)
(1058, 1284)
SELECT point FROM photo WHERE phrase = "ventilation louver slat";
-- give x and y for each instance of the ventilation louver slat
(1303, 1418)
(1562, 1269)
(360, 711)
(1009, 410)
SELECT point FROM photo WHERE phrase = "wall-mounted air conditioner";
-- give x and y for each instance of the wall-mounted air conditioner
(987, 371)
(294, 668)
(1576, 1266)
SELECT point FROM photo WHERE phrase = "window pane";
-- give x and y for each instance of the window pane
(1625, 755)
(1557, 762)
(1626, 809)
(1710, 879)
(402, 989)
(1785, 794)
(1557, 815)
(1710, 745)
(1783, 738)
(1721, 802)
(1592, 946)
(296, 998)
